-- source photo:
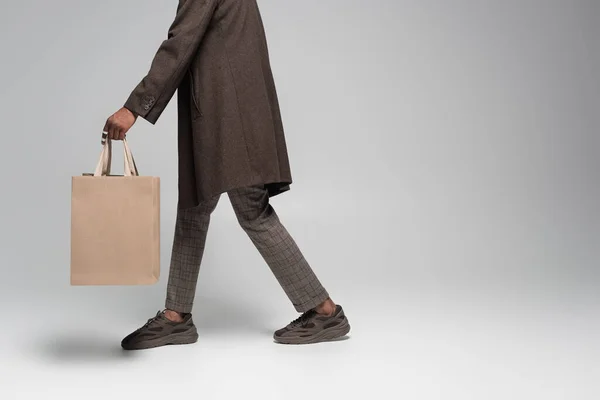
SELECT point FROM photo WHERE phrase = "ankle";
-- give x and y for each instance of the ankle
(326, 308)
(173, 316)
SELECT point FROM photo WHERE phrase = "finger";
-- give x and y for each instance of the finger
(126, 131)
(113, 131)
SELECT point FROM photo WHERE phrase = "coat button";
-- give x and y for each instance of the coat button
(148, 101)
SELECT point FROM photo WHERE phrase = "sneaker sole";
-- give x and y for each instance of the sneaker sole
(185, 338)
(326, 335)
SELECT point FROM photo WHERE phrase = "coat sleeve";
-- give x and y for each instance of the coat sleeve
(151, 96)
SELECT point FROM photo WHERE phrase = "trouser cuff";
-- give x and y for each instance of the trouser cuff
(312, 303)
(180, 308)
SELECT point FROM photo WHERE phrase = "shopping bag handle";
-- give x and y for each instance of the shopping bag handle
(105, 161)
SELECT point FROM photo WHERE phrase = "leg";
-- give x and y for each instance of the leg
(258, 218)
(191, 228)
(321, 318)
(175, 324)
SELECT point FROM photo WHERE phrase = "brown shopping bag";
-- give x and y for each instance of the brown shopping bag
(115, 225)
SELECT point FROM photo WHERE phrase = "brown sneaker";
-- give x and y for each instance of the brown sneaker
(160, 331)
(312, 327)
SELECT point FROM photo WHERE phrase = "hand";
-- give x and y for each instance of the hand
(119, 123)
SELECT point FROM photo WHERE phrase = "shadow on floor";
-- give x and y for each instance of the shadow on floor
(95, 343)
(82, 348)
(341, 339)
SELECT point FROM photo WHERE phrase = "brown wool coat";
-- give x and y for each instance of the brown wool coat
(230, 132)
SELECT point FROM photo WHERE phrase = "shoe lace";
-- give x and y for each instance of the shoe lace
(302, 319)
(152, 320)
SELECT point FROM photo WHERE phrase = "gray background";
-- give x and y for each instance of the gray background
(446, 192)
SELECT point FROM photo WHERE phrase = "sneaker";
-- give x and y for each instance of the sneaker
(161, 331)
(312, 327)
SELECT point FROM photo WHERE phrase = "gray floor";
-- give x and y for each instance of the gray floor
(427, 331)
(438, 345)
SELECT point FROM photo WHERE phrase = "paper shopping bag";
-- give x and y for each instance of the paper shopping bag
(115, 225)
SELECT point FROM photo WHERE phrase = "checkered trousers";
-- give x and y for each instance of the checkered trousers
(258, 218)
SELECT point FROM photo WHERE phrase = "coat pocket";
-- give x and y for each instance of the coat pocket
(193, 95)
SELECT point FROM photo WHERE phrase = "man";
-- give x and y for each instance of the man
(230, 139)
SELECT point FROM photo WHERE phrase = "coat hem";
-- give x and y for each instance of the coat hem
(274, 188)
